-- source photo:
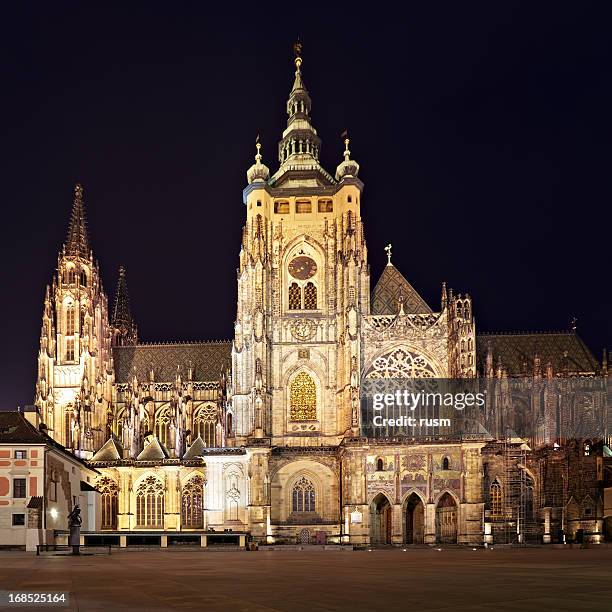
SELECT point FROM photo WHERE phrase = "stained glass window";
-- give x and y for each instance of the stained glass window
(162, 425)
(150, 503)
(303, 398)
(204, 424)
(303, 496)
(110, 497)
(192, 503)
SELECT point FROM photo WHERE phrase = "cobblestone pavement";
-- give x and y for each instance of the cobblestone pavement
(451, 579)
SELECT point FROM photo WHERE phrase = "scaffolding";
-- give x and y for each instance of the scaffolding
(515, 489)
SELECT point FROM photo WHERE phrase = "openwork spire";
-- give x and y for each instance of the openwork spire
(125, 331)
(77, 241)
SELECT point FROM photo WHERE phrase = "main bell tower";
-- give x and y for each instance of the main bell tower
(303, 283)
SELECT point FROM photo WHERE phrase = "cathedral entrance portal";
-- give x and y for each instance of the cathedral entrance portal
(415, 520)
(446, 520)
(380, 520)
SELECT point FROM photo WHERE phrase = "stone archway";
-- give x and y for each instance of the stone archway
(414, 532)
(380, 520)
(446, 520)
(607, 529)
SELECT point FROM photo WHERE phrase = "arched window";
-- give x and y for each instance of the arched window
(70, 276)
(380, 465)
(83, 278)
(204, 424)
(445, 463)
(70, 320)
(495, 493)
(150, 503)
(303, 398)
(228, 425)
(110, 500)
(295, 297)
(162, 425)
(310, 297)
(70, 349)
(303, 496)
(68, 428)
(192, 504)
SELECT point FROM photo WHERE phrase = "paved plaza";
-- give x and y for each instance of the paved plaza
(296, 581)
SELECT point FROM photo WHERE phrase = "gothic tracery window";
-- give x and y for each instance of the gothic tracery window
(110, 500)
(303, 496)
(70, 320)
(150, 503)
(495, 493)
(401, 363)
(295, 297)
(192, 503)
(162, 425)
(310, 297)
(303, 398)
(204, 424)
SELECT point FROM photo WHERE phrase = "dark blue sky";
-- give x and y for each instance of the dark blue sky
(482, 130)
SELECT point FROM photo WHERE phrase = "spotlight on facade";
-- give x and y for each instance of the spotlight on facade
(54, 513)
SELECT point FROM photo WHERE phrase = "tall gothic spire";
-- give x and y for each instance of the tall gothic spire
(125, 331)
(77, 241)
(299, 147)
(300, 142)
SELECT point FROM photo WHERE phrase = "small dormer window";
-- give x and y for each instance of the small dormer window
(350, 199)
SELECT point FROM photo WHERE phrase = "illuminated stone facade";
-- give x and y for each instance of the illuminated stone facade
(262, 435)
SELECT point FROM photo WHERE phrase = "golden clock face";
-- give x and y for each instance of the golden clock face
(302, 267)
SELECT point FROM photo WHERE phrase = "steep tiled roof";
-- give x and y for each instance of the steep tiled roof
(392, 286)
(558, 348)
(111, 450)
(207, 359)
(196, 449)
(14, 427)
(153, 451)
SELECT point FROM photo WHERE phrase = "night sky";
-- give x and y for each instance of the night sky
(482, 130)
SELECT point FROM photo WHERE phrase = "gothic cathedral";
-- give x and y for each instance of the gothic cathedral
(262, 436)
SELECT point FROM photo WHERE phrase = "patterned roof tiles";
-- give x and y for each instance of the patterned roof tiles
(207, 359)
(558, 348)
(392, 286)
